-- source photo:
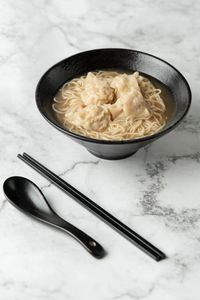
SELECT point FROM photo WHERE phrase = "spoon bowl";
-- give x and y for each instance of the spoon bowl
(27, 197)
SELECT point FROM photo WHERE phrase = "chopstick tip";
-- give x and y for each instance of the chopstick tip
(161, 257)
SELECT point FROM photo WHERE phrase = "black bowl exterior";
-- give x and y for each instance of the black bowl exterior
(112, 151)
(102, 59)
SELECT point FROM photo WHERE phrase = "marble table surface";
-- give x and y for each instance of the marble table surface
(156, 191)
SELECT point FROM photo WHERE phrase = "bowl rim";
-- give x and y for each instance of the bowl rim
(110, 142)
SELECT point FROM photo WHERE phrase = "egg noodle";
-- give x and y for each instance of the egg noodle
(109, 105)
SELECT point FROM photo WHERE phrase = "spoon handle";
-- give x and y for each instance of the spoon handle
(89, 243)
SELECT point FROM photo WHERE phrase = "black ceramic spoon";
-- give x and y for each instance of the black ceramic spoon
(28, 198)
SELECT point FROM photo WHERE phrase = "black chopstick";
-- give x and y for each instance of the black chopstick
(136, 239)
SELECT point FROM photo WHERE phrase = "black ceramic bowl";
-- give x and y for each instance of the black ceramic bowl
(120, 59)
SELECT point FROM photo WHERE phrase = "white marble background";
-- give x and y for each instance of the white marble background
(156, 191)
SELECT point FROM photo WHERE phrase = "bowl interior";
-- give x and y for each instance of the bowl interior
(119, 59)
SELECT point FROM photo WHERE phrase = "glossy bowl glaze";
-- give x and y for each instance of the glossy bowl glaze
(119, 59)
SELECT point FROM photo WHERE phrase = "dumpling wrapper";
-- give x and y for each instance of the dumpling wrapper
(96, 90)
(129, 97)
(125, 83)
(93, 117)
(115, 110)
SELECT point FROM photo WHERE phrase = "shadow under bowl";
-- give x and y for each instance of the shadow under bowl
(119, 59)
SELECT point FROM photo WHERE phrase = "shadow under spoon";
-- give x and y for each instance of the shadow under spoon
(28, 198)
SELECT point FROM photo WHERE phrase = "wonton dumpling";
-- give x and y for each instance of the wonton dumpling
(129, 96)
(124, 83)
(93, 117)
(133, 105)
(115, 110)
(96, 90)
